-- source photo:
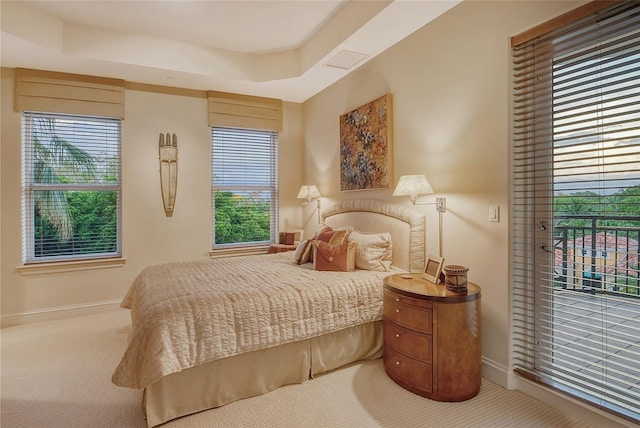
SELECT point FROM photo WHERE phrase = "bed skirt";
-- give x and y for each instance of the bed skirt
(254, 373)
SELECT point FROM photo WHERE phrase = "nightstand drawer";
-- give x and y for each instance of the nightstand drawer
(407, 371)
(399, 298)
(415, 345)
(419, 319)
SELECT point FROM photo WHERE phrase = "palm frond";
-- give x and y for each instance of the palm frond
(52, 205)
(41, 151)
(73, 160)
(58, 161)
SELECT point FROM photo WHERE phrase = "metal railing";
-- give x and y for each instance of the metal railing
(597, 253)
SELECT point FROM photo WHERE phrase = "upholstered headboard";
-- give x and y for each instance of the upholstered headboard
(406, 226)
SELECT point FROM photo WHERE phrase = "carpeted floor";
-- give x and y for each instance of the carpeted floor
(57, 375)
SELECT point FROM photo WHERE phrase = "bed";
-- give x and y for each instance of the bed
(206, 333)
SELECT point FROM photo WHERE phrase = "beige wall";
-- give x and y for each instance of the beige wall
(148, 237)
(450, 87)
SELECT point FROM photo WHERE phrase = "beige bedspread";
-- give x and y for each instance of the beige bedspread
(189, 313)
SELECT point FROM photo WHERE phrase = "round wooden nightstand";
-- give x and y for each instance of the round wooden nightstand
(432, 338)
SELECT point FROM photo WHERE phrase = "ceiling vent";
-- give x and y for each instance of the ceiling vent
(346, 59)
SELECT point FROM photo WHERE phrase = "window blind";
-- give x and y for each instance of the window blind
(245, 186)
(576, 209)
(71, 187)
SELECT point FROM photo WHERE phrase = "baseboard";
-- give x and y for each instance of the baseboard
(496, 373)
(593, 416)
(59, 312)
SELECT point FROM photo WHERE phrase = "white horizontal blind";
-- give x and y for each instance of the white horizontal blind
(245, 186)
(71, 187)
(576, 209)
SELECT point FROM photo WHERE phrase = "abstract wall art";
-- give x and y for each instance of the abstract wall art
(366, 149)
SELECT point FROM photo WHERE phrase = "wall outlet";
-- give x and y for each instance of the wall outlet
(494, 213)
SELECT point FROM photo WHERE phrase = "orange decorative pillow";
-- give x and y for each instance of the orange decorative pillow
(339, 237)
(325, 234)
(331, 236)
(339, 258)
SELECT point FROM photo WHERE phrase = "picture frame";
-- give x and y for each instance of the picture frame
(366, 146)
(432, 268)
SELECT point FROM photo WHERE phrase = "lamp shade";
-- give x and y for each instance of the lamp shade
(412, 186)
(309, 192)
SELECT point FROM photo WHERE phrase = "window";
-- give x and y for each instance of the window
(245, 186)
(575, 207)
(71, 187)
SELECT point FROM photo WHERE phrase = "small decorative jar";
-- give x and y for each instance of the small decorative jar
(455, 277)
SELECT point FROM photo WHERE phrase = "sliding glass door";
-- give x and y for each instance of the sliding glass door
(576, 209)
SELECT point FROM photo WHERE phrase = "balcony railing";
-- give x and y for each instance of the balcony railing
(597, 254)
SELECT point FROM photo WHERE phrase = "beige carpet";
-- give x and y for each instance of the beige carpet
(57, 374)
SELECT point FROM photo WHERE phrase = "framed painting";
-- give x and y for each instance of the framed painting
(366, 149)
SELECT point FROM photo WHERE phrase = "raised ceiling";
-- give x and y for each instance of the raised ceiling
(278, 49)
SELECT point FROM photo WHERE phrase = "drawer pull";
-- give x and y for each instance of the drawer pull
(397, 334)
(397, 363)
(397, 299)
(397, 310)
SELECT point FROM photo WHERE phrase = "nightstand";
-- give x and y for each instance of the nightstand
(281, 248)
(432, 338)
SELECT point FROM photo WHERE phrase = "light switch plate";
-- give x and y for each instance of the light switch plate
(494, 213)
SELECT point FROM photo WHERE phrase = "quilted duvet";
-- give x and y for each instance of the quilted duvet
(189, 313)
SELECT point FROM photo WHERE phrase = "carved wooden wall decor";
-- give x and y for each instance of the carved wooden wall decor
(168, 153)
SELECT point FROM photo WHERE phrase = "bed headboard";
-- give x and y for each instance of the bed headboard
(406, 226)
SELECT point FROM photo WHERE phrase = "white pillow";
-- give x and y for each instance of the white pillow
(373, 251)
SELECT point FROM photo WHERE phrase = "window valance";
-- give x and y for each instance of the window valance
(244, 111)
(52, 92)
